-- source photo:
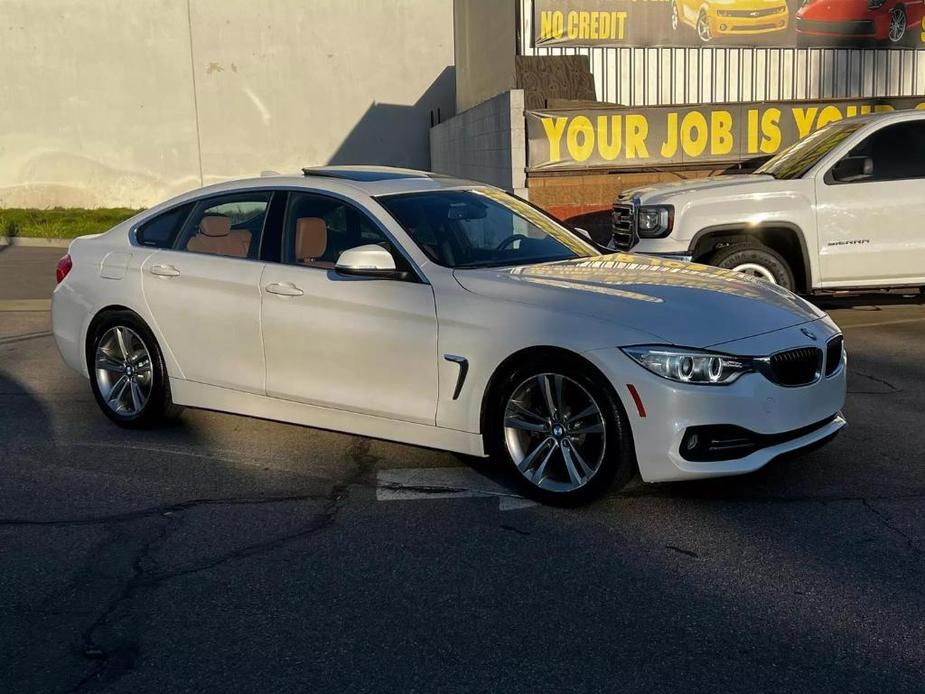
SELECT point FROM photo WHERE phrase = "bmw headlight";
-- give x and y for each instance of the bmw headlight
(654, 221)
(689, 365)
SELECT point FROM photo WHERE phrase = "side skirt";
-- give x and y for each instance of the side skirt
(200, 395)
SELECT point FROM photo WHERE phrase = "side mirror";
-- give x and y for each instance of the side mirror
(852, 169)
(368, 261)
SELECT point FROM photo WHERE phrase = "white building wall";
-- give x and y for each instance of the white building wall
(112, 102)
(670, 76)
(486, 143)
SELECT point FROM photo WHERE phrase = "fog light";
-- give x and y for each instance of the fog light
(722, 27)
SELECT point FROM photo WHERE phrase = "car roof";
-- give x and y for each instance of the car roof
(882, 116)
(344, 180)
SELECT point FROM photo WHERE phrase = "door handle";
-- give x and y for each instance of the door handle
(284, 289)
(165, 271)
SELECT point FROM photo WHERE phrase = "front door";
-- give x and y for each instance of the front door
(870, 225)
(363, 345)
(204, 292)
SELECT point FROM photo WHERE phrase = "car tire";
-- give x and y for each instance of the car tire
(127, 372)
(675, 16)
(898, 29)
(758, 260)
(704, 33)
(546, 456)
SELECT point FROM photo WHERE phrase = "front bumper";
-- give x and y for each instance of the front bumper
(740, 22)
(785, 419)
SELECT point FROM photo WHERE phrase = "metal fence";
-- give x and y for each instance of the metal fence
(669, 76)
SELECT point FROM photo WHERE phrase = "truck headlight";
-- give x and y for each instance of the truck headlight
(689, 365)
(654, 221)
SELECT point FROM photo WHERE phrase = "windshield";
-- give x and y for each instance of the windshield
(483, 228)
(799, 158)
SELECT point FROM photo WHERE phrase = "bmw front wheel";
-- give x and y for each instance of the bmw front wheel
(565, 435)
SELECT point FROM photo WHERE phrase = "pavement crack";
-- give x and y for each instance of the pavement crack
(163, 510)
(888, 523)
(685, 552)
(111, 641)
(881, 381)
(516, 530)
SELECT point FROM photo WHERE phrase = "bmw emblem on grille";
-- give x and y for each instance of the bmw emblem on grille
(809, 333)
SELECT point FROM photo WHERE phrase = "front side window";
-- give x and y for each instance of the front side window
(320, 228)
(798, 158)
(483, 227)
(895, 152)
(229, 225)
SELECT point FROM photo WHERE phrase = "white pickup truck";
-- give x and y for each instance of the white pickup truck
(842, 208)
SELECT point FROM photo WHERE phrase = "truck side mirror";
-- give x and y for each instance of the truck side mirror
(852, 169)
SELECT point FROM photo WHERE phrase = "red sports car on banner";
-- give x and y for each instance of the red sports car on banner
(859, 22)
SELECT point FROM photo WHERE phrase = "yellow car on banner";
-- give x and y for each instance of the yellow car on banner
(716, 18)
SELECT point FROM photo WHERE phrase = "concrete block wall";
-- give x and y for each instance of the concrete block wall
(485, 143)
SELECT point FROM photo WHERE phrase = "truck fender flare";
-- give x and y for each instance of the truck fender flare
(746, 229)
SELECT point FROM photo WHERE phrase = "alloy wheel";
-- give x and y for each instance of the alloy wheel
(123, 371)
(897, 25)
(756, 270)
(554, 432)
(703, 27)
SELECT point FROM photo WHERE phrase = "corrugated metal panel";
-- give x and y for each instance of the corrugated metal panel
(669, 76)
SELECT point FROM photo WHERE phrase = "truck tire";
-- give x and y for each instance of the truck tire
(757, 260)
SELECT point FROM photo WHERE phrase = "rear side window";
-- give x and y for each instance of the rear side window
(228, 225)
(161, 231)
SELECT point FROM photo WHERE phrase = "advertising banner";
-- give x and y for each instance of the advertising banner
(624, 138)
(685, 23)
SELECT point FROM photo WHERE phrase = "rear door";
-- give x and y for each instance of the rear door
(360, 344)
(870, 228)
(204, 291)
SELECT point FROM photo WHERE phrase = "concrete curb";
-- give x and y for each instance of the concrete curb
(34, 241)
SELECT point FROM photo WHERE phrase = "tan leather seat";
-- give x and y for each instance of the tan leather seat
(216, 237)
(311, 241)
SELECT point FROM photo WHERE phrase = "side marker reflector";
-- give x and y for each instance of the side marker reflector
(640, 408)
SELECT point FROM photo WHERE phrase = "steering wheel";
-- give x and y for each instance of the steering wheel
(509, 240)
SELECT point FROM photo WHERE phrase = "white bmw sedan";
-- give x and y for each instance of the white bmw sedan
(439, 312)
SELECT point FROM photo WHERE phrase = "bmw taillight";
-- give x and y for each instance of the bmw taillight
(64, 267)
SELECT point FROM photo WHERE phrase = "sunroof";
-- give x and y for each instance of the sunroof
(366, 175)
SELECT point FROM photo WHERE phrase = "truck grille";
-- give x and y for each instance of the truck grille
(624, 227)
(795, 367)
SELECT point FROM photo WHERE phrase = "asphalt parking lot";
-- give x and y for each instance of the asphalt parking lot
(231, 554)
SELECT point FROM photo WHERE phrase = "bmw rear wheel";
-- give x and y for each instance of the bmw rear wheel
(564, 434)
(127, 373)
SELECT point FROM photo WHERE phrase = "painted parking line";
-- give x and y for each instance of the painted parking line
(25, 305)
(416, 484)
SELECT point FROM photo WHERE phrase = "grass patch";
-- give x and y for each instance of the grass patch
(60, 222)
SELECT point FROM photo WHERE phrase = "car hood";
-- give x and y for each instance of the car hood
(679, 303)
(836, 10)
(699, 186)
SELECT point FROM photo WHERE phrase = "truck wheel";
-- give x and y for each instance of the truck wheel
(757, 260)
